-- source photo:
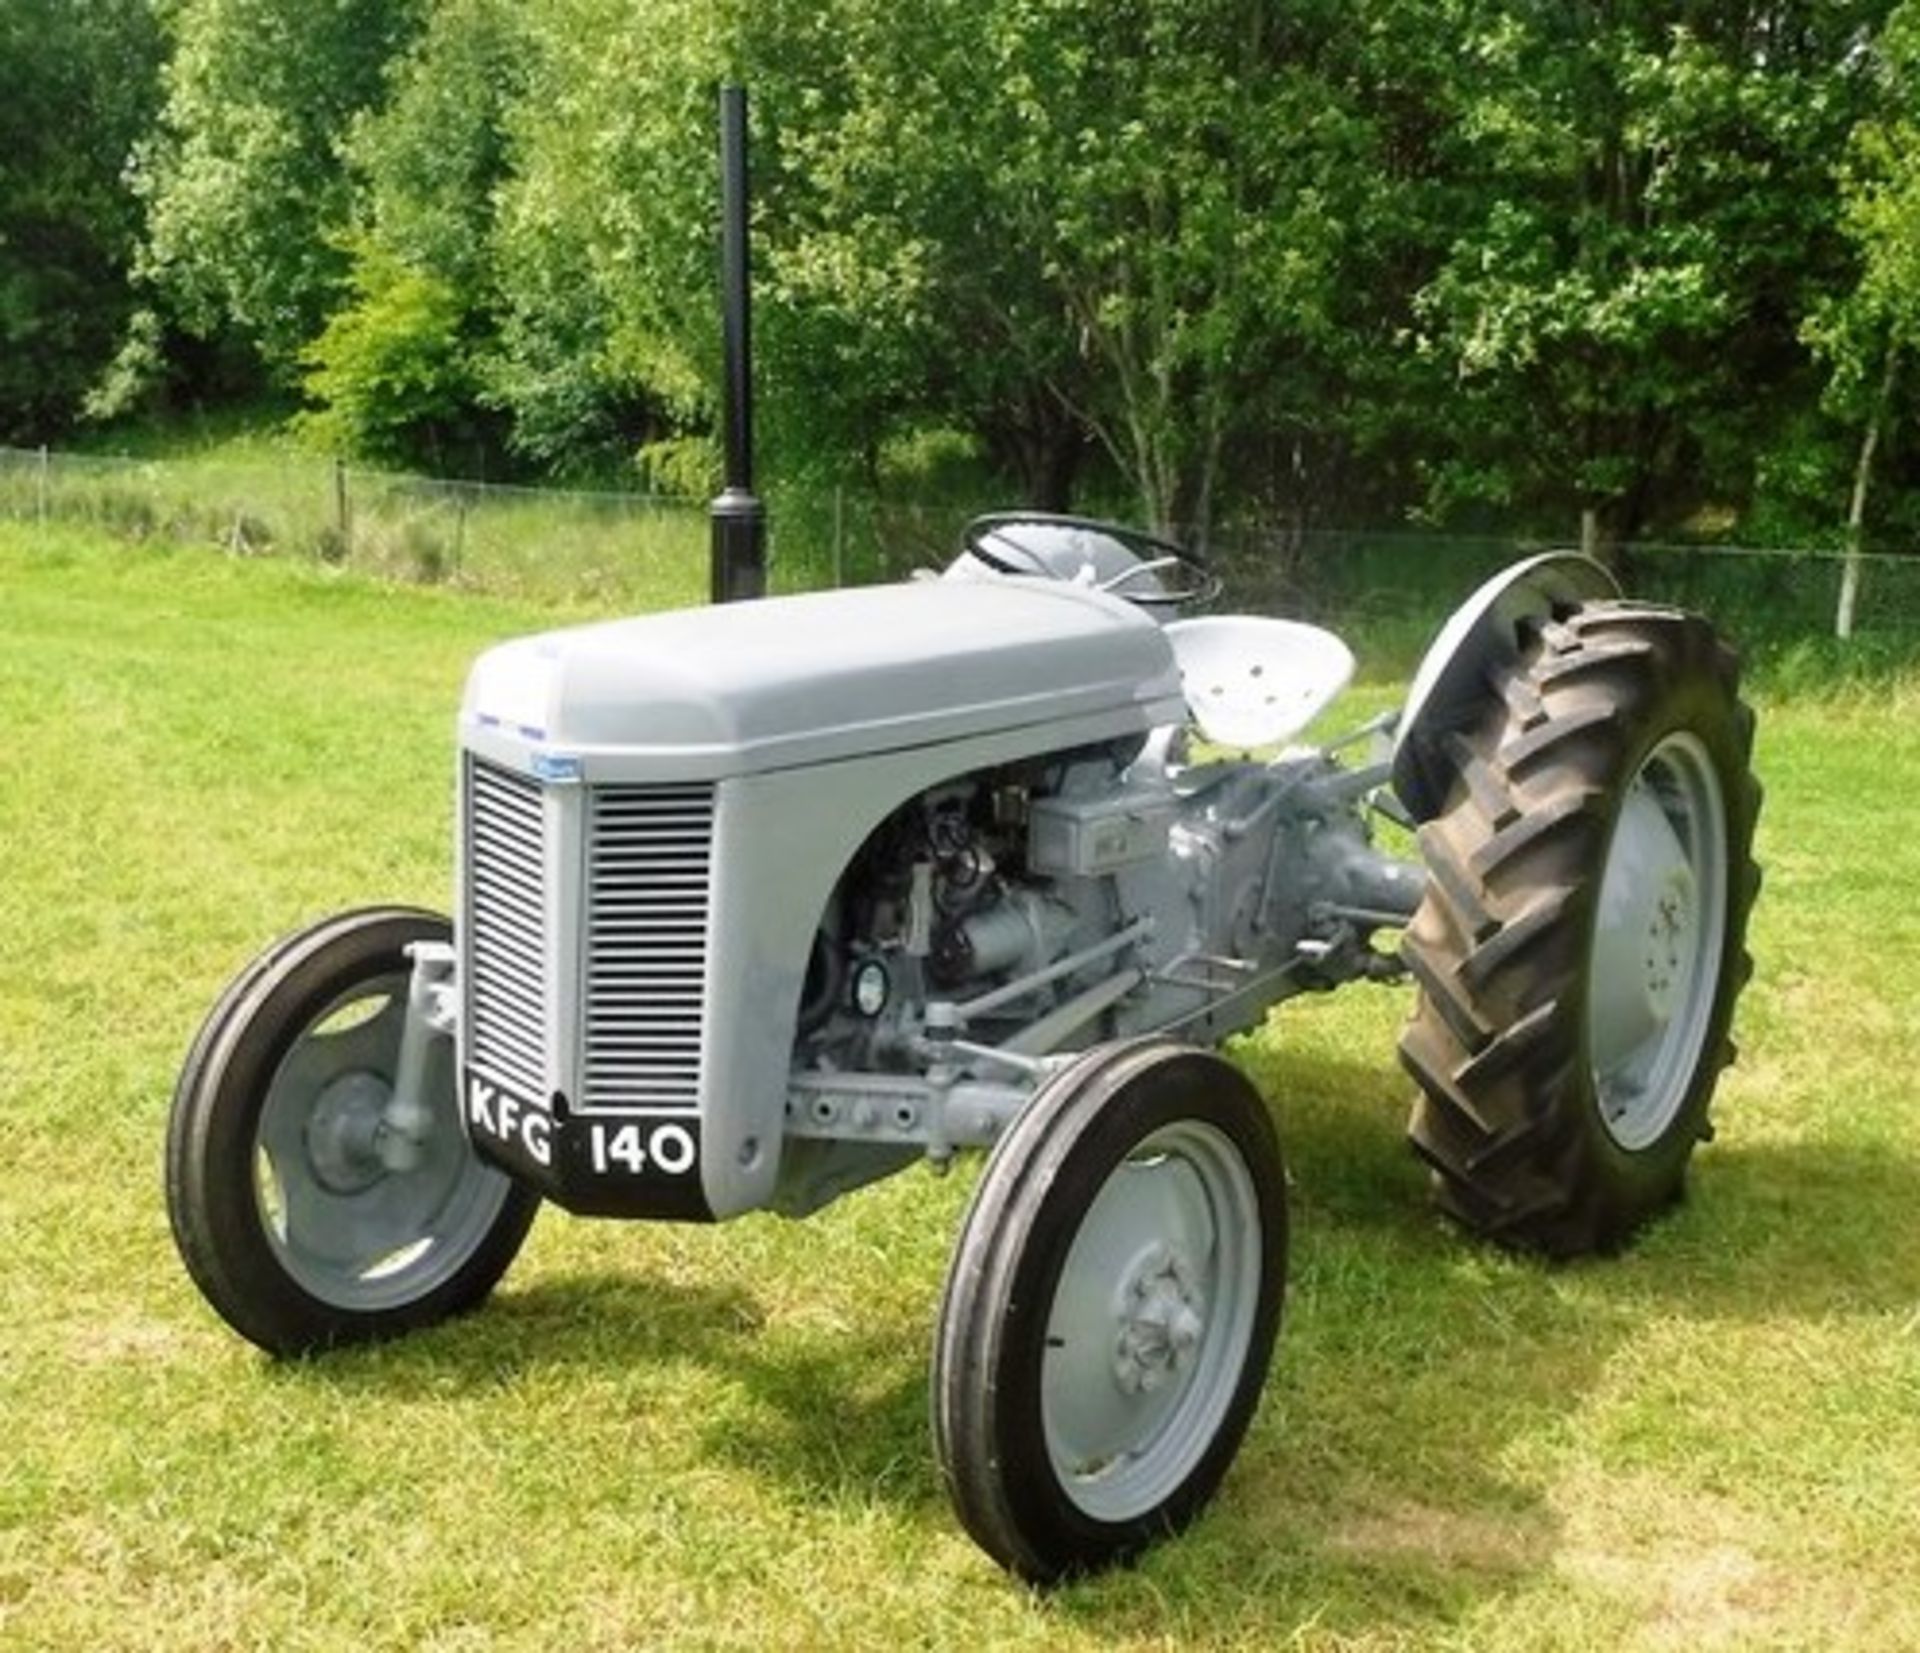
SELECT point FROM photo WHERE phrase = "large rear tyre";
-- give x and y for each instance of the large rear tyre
(1111, 1309)
(1581, 942)
(291, 1221)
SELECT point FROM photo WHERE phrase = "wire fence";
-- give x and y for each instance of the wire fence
(520, 541)
(645, 550)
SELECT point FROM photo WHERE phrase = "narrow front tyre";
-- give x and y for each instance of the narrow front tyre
(301, 1225)
(1111, 1309)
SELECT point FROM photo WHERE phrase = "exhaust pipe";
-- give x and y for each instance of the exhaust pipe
(738, 519)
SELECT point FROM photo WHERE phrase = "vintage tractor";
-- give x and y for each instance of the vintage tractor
(758, 903)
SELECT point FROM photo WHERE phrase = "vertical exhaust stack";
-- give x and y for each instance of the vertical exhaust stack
(739, 520)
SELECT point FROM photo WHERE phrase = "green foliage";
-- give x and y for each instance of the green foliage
(391, 370)
(77, 89)
(245, 194)
(1647, 215)
(682, 467)
(1880, 213)
(399, 372)
(604, 230)
(1867, 330)
(1343, 260)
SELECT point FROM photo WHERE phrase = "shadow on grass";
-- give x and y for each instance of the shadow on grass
(1370, 1498)
(590, 1322)
(828, 1414)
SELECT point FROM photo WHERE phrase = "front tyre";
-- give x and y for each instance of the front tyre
(294, 1223)
(1581, 942)
(1111, 1309)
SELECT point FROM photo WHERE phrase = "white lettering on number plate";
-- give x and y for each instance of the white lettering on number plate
(634, 1147)
(503, 1115)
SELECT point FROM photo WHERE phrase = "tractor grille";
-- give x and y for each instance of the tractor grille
(505, 968)
(649, 865)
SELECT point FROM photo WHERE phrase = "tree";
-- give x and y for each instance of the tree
(603, 236)
(1651, 217)
(1137, 225)
(78, 85)
(1868, 333)
(245, 191)
(399, 371)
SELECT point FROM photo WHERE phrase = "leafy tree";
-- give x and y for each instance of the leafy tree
(1137, 225)
(1870, 332)
(603, 240)
(400, 369)
(78, 84)
(245, 190)
(391, 368)
(1650, 214)
(1335, 260)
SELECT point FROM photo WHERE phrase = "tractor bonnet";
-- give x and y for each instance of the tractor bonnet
(746, 688)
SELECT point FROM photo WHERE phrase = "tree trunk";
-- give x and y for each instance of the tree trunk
(1042, 442)
(1857, 506)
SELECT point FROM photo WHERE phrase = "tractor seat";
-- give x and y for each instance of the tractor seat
(1253, 681)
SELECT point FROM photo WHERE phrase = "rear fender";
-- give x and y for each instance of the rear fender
(1458, 673)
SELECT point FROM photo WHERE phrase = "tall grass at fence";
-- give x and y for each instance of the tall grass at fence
(1392, 589)
(625, 551)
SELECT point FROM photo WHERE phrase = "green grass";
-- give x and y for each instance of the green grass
(716, 1437)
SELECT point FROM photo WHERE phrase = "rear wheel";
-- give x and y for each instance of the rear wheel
(291, 1219)
(1582, 940)
(1111, 1309)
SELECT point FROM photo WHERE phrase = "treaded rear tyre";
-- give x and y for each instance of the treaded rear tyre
(1615, 754)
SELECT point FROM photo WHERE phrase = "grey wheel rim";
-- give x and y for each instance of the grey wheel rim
(1151, 1321)
(347, 1229)
(1659, 938)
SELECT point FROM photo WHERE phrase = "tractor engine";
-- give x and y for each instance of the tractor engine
(995, 877)
(946, 897)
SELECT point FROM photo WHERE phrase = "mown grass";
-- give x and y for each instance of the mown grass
(663, 1436)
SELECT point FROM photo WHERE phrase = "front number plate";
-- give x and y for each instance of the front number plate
(627, 1165)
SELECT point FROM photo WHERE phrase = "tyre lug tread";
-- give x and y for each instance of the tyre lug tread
(1578, 808)
(1447, 1001)
(1466, 905)
(1516, 936)
(1545, 738)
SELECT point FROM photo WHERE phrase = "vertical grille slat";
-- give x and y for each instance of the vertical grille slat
(649, 871)
(506, 836)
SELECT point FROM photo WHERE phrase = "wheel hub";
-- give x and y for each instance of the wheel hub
(1162, 1319)
(1669, 942)
(343, 1133)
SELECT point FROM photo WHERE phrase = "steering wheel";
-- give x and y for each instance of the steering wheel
(1109, 556)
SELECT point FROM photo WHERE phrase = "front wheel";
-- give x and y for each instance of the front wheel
(1111, 1309)
(296, 1225)
(1582, 938)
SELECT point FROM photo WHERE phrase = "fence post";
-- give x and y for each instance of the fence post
(40, 486)
(342, 509)
(839, 535)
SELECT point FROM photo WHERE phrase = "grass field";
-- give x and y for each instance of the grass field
(660, 1436)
